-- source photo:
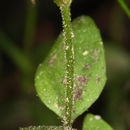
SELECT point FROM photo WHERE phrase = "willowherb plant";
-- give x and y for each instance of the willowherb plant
(73, 75)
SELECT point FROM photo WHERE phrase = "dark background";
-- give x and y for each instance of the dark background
(27, 33)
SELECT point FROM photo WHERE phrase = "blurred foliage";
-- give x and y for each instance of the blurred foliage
(125, 7)
(26, 36)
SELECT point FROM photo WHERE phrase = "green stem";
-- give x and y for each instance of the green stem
(30, 26)
(125, 7)
(69, 57)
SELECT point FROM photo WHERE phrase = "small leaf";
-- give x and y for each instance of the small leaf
(89, 70)
(92, 122)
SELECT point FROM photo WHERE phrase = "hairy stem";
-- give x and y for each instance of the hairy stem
(69, 57)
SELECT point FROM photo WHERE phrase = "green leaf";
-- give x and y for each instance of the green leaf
(89, 70)
(92, 122)
(46, 128)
